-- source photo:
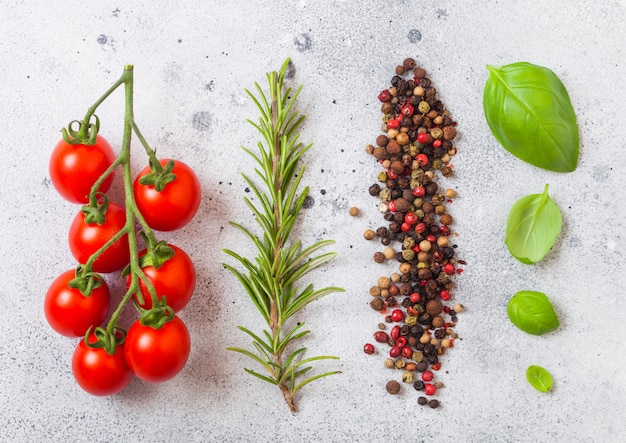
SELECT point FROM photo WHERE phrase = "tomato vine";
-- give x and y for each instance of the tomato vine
(113, 242)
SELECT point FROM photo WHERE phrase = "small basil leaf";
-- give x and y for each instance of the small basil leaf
(539, 378)
(532, 312)
(530, 113)
(533, 225)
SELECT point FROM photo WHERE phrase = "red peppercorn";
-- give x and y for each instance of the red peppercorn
(416, 249)
(431, 238)
(422, 159)
(410, 218)
(384, 96)
(401, 342)
(427, 376)
(444, 230)
(392, 206)
(368, 348)
(381, 336)
(407, 110)
(437, 143)
(406, 227)
(397, 315)
(420, 227)
(394, 352)
(436, 366)
(449, 269)
(415, 297)
(392, 174)
(429, 389)
(407, 352)
(419, 191)
(424, 138)
(445, 295)
(411, 311)
(395, 332)
(393, 124)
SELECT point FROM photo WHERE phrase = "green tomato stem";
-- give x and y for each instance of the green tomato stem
(132, 211)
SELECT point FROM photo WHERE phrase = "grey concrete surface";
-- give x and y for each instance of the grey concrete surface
(192, 62)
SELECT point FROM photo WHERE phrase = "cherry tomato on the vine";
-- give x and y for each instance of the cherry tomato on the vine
(99, 373)
(85, 239)
(74, 169)
(157, 355)
(69, 312)
(176, 279)
(174, 206)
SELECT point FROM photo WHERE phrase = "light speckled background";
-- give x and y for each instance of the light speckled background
(192, 61)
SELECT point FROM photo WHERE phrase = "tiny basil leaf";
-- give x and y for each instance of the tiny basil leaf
(539, 378)
(533, 225)
(530, 113)
(532, 312)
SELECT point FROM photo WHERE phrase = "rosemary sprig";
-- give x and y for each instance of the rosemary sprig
(270, 279)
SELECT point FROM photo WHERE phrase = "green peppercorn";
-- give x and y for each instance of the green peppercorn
(408, 243)
(407, 377)
(410, 320)
(399, 363)
(408, 254)
(423, 107)
(417, 356)
(385, 195)
(436, 132)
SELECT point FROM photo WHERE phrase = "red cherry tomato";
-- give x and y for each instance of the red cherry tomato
(175, 279)
(69, 312)
(174, 206)
(85, 239)
(99, 373)
(157, 355)
(74, 169)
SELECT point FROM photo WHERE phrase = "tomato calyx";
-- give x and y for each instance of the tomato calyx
(95, 212)
(160, 176)
(85, 281)
(157, 316)
(156, 254)
(85, 134)
(104, 339)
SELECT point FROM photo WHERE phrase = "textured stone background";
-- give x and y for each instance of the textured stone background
(192, 62)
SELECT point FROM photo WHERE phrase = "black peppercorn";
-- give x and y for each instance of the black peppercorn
(374, 190)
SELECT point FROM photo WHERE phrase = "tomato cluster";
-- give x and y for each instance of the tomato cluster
(160, 278)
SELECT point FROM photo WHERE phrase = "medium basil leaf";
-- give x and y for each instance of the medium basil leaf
(532, 312)
(539, 378)
(530, 113)
(533, 225)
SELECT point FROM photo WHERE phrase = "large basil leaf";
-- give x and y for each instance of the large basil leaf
(532, 312)
(533, 225)
(539, 378)
(530, 113)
